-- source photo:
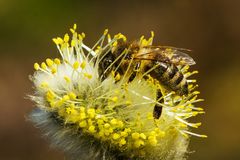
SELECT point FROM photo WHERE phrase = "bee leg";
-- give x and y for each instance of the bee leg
(157, 111)
(135, 70)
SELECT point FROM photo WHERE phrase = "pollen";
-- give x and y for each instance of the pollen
(113, 121)
(138, 143)
(66, 38)
(118, 77)
(49, 62)
(98, 106)
(73, 43)
(75, 65)
(106, 125)
(44, 85)
(83, 124)
(67, 79)
(152, 140)
(124, 134)
(135, 135)
(83, 64)
(143, 136)
(92, 129)
(36, 66)
(72, 95)
(116, 136)
(66, 97)
(114, 99)
(122, 142)
(87, 75)
(57, 61)
(54, 70)
(43, 65)
(105, 32)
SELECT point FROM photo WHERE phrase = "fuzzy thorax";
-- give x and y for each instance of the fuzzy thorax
(111, 119)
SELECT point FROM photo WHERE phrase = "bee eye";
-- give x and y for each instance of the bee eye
(128, 56)
(109, 61)
(106, 63)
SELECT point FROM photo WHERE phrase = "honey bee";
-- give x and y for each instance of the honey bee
(160, 62)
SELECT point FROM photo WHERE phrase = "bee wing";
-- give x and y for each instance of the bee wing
(181, 58)
(175, 55)
(153, 55)
(168, 47)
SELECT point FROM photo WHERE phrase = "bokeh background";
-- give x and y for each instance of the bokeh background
(210, 28)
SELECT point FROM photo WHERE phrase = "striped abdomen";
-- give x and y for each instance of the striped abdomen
(170, 76)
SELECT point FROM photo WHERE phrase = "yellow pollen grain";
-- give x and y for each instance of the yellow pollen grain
(109, 38)
(67, 79)
(50, 95)
(143, 136)
(83, 124)
(91, 129)
(152, 140)
(80, 37)
(183, 125)
(203, 136)
(44, 85)
(36, 66)
(124, 134)
(118, 77)
(82, 109)
(114, 99)
(106, 125)
(57, 61)
(152, 34)
(135, 135)
(72, 30)
(120, 124)
(122, 142)
(49, 62)
(66, 98)
(105, 32)
(128, 130)
(73, 43)
(83, 64)
(55, 41)
(116, 136)
(66, 38)
(82, 116)
(113, 73)
(128, 102)
(90, 122)
(83, 35)
(59, 40)
(100, 122)
(70, 110)
(114, 44)
(153, 133)
(75, 65)
(113, 122)
(54, 70)
(43, 65)
(138, 143)
(75, 26)
(87, 75)
(198, 124)
(72, 95)
(91, 112)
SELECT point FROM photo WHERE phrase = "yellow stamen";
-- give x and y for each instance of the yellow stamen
(36, 66)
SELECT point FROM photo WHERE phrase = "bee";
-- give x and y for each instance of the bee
(160, 62)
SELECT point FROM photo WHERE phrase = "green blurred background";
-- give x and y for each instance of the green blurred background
(210, 28)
